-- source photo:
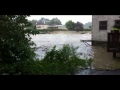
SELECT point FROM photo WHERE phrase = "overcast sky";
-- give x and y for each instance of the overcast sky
(64, 18)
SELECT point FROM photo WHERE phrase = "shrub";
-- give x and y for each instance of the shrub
(15, 40)
(56, 62)
(63, 61)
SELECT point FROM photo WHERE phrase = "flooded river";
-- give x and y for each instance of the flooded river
(102, 59)
(45, 42)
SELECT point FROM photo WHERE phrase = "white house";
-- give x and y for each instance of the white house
(42, 26)
(101, 25)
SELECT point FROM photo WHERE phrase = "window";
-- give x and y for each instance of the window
(102, 25)
(117, 23)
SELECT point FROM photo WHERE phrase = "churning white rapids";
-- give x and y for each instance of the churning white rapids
(47, 41)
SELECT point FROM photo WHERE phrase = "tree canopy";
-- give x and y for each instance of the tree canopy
(45, 21)
(55, 21)
(33, 26)
(70, 25)
(15, 40)
(79, 26)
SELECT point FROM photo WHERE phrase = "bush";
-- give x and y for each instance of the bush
(62, 61)
(56, 62)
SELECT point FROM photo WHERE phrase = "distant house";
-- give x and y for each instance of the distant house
(41, 26)
(101, 25)
(57, 27)
(44, 26)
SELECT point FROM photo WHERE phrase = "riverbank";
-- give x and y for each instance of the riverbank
(70, 32)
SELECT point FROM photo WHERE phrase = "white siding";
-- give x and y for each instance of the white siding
(101, 35)
(41, 26)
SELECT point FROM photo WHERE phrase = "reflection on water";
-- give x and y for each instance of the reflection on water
(45, 42)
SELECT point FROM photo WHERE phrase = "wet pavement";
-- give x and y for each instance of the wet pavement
(97, 72)
(114, 72)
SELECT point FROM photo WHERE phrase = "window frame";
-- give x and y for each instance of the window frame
(106, 25)
(117, 20)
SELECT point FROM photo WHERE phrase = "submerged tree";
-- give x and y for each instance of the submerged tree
(15, 40)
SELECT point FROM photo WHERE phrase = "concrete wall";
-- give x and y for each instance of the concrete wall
(101, 35)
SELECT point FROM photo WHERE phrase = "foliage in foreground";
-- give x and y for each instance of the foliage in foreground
(15, 40)
(56, 62)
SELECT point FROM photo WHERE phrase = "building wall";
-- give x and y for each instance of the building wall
(101, 35)
(42, 26)
(49, 27)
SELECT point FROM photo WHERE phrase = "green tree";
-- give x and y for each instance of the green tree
(34, 22)
(15, 40)
(55, 21)
(43, 21)
(33, 26)
(70, 25)
(79, 26)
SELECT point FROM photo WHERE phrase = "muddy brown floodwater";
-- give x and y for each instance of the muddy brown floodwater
(104, 60)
